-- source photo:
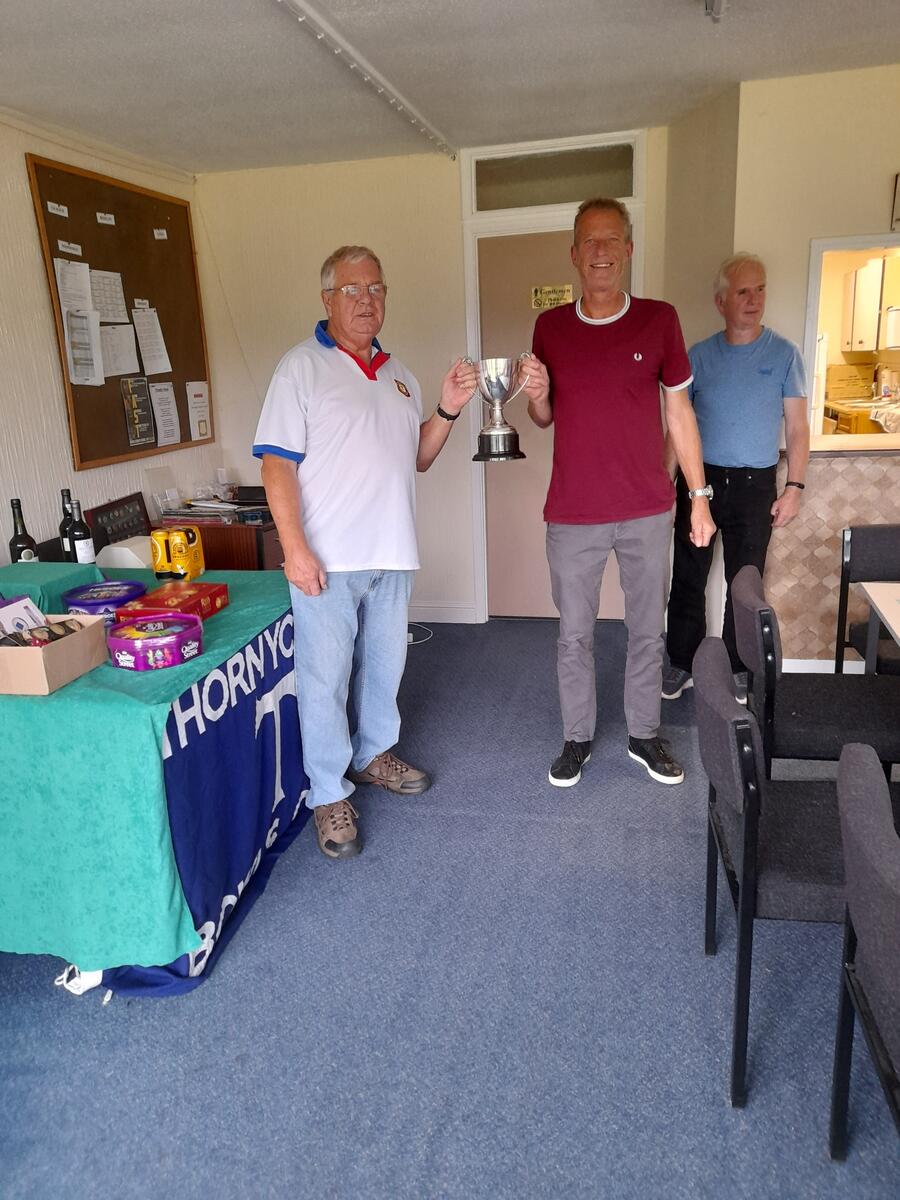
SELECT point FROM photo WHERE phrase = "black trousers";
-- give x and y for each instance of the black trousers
(741, 508)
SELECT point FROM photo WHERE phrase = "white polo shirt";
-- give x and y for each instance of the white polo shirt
(353, 431)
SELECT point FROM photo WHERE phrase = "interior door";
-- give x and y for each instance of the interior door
(518, 577)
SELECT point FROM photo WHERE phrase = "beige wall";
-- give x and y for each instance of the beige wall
(699, 214)
(35, 453)
(817, 156)
(268, 232)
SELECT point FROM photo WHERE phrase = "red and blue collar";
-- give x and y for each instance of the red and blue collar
(370, 370)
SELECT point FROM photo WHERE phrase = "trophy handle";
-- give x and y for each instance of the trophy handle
(522, 356)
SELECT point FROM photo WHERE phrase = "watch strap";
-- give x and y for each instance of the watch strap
(794, 483)
(447, 416)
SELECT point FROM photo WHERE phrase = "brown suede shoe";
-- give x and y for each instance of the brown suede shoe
(336, 829)
(387, 771)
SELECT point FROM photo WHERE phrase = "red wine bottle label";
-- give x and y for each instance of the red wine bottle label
(84, 550)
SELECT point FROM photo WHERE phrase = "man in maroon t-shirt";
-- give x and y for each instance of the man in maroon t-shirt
(595, 374)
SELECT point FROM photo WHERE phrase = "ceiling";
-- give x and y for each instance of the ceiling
(217, 85)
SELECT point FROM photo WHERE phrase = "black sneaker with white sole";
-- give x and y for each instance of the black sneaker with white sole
(653, 753)
(566, 769)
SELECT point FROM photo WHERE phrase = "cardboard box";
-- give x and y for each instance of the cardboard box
(201, 599)
(844, 381)
(40, 670)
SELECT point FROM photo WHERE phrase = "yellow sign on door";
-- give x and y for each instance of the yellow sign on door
(551, 297)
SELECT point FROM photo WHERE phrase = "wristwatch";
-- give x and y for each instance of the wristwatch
(695, 493)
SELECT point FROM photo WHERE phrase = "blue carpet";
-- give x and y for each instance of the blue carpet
(504, 996)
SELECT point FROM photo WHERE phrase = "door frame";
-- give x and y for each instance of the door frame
(507, 222)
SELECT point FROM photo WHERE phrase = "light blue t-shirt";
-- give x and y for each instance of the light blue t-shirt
(738, 396)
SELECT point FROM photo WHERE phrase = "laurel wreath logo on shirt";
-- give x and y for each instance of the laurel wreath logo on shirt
(402, 388)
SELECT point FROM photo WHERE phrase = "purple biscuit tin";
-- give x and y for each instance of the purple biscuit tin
(155, 640)
(102, 599)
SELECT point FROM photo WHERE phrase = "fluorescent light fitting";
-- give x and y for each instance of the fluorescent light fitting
(350, 56)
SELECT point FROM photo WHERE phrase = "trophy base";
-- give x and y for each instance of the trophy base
(498, 446)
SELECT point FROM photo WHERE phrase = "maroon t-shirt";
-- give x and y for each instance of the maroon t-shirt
(608, 443)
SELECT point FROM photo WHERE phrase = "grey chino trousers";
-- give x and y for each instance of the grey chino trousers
(577, 556)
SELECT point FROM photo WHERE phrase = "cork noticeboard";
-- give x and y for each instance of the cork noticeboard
(123, 284)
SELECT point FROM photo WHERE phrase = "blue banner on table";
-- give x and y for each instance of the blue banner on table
(236, 726)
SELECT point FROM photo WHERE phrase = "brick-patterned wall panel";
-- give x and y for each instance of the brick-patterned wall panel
(803, 569)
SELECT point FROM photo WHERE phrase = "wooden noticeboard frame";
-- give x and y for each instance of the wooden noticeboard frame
(146, 237)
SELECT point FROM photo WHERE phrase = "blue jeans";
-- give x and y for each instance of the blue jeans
(350, 643)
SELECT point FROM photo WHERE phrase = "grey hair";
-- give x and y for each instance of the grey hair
(347, 254)
(604, 204)
(731, 264)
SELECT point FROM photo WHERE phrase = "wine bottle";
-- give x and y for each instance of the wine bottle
(22, 546)
(80, 537)
(65, 523)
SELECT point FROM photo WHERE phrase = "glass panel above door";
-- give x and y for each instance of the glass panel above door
(559, 177)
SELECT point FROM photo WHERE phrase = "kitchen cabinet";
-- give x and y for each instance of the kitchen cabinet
(862, 304)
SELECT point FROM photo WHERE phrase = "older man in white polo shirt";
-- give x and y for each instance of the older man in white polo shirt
(341, 435)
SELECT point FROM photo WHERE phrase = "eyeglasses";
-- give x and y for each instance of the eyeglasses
(353, 291)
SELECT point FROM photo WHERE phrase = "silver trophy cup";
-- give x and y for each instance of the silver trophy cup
(497, 380)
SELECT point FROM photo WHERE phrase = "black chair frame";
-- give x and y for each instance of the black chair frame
(767, 716)
(743, 897)
(870, 533)
(853, 1003)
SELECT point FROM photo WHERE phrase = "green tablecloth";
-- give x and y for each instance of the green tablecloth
(44, 583)
(87, 870)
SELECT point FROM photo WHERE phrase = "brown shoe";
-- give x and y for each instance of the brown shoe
(336, 829)
(388, 771)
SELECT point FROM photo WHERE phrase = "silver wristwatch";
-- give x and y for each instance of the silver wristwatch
(707, 491)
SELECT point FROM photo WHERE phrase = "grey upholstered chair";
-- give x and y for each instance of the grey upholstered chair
(779, 841)
(806, 715)
(870, 964)
(868, 552)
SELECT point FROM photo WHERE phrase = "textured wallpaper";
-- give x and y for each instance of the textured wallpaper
(803, 569)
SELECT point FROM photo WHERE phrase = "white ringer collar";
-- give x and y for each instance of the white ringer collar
(602, 320)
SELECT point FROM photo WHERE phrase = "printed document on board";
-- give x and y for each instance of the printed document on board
(168, 427)
(198, 409)
(73, 283)
(83, 351)
(119, 350)
(152, 343)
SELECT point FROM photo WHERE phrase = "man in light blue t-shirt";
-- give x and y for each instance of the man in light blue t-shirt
(747, 380)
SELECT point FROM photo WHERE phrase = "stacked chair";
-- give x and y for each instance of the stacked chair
(870, 974)
(808, 716)
(779, 842)
(868, 552)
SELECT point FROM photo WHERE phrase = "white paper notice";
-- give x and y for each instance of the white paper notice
(119, 350)
(106, 218)
(161, 235)
(168, 427)
(151, 342)
(141, 303)
(70, 248)
(73, 282)
(198, 409)
(58, 210)
(108, 296)
(83, 350)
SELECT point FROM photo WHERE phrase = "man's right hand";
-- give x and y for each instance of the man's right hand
(305, 571)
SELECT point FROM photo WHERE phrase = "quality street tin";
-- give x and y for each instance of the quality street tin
(148, 643)
(102, 599)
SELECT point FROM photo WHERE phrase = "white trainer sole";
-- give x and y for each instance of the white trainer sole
(567, 782)
(675, 695)
(669, 780)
